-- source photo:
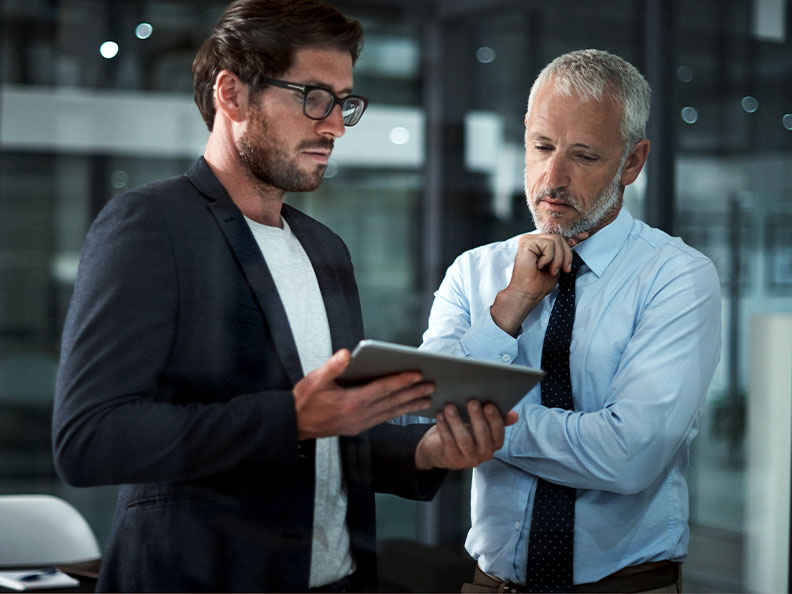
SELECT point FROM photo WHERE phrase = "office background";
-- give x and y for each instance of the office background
(96, 97)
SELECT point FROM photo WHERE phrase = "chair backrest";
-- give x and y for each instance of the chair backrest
(39, 530)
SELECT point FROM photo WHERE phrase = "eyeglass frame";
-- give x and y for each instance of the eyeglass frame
(305, 89)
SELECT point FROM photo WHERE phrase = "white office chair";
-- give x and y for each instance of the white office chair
(42, 530)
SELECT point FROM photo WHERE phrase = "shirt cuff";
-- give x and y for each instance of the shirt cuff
(485, 340)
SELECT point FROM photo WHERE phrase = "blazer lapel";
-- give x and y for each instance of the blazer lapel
(248, 255)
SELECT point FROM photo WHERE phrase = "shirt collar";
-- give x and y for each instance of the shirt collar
(599, 250)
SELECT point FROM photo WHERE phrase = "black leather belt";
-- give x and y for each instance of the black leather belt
(636, 578)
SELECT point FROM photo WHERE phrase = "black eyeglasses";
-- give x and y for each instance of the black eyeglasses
(318, 102)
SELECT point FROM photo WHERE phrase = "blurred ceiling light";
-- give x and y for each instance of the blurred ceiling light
(399, 135)
(749, 104)
(485, 55)
(685, 74)
(119, 179)
(109, 49)
(689, 115)
(144, 30)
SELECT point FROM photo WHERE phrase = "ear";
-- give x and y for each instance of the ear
(635, 162)
(231, 96)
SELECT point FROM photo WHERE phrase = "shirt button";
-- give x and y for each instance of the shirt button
(506, 357)
(516, 525)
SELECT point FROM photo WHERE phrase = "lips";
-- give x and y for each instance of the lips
(556, 203)
(318, 151)
(319, 155)
(556, 200)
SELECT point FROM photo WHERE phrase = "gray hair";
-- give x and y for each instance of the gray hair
(590, 74)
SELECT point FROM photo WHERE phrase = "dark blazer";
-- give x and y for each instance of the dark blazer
(175, 382)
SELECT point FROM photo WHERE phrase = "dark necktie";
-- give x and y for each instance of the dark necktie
(550, 544)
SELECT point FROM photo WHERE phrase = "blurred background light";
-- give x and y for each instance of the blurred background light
(144, 31)
(749, 104)
(119, 179)
(109, 49)
(485, 55)
(685, 74)
(399, 135)
(689, 115)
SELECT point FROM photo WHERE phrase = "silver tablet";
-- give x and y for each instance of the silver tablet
(456, 379)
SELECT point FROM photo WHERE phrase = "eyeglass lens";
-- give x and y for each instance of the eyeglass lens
(320, 102)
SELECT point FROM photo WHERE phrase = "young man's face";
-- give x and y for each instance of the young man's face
(281, 146)
(573, 162)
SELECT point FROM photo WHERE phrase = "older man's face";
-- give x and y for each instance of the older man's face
(573, 162)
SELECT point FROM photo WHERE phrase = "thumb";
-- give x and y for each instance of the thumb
(332, 368)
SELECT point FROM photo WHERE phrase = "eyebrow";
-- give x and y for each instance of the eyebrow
(543, 138)
(323, 85)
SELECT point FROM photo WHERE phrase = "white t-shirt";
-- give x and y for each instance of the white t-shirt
(299, 291)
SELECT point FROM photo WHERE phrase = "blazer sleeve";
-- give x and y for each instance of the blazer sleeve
(394, 471)
(117, 417)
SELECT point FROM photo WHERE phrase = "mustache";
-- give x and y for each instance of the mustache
(557, 195)
(323, 143)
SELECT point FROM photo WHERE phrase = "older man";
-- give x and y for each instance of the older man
(588, 492)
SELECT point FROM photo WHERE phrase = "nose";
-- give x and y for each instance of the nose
(557, 172)
(333, 125)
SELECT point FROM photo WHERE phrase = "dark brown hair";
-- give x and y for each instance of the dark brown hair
(258, 38)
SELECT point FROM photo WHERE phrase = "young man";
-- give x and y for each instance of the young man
(588, 493)
(198, 359)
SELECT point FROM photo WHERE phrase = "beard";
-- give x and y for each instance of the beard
(588, 218)
(265, 160)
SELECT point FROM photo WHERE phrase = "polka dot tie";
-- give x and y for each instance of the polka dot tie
(549, 567)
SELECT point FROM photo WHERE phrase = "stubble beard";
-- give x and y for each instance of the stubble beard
(269, 164)
(606, 203)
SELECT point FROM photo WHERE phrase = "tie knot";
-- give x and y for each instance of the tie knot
(576, 262)
(567, 278)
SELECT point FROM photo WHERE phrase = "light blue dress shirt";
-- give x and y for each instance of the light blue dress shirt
(646, 340)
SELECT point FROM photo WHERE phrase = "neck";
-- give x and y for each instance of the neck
(258, 201)
(609, 217)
